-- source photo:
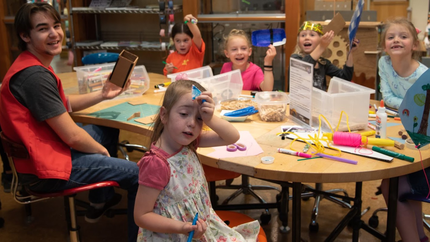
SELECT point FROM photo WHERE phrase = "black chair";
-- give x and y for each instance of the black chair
(23, 195)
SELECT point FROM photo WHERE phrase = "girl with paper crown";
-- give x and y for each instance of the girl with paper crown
(311, 44)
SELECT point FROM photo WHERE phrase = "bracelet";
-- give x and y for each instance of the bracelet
(267, 70)
(268, 66)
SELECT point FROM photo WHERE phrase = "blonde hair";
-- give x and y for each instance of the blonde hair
(173, 93)
(236, 33)
(313, 27)
(409, 26)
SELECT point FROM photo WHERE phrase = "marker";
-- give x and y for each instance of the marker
(165, 63)
(376, 108)
(166, 84)
(292, 152)
(190, 236)
(338, 158)
(393, 154)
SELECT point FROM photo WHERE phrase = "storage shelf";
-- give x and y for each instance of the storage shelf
(118, 48)
(87, 10)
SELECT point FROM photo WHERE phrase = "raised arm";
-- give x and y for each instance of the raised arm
(325, 41)
(197, 36)
(223, 132)
(267, 84)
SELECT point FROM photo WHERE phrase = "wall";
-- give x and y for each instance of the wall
(419, 14)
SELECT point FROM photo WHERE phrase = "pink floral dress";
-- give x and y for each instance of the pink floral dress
(187, 194)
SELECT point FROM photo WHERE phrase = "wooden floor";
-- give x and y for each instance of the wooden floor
(48, 222)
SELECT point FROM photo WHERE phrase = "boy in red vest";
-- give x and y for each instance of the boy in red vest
(34, 111)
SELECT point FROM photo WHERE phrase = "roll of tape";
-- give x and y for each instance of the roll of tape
(171, 18)
(267, 160)
(162, 33)
(163, 45)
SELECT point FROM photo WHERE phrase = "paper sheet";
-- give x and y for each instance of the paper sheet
(252, 147)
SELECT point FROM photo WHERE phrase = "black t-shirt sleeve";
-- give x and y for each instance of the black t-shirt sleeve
(36, 89)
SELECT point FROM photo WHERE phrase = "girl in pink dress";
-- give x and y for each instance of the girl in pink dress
(172, 184)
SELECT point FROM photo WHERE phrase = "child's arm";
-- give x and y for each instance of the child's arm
(144, 216)
(267, 84)
(350, 60)
(324, 42)
(197, 37)
(223, 133)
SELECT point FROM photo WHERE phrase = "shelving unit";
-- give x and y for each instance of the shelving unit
(137, 24)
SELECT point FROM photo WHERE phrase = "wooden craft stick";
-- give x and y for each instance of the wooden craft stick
(137, 102)
(147, 119)
(399, 145)
(134, 115)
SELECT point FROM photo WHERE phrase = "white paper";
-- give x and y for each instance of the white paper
(301, 80)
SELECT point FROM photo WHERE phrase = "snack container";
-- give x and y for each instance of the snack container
(272, 106)
(91, 78)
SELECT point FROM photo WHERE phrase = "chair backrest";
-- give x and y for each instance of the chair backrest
(99, 58)
(19, 151)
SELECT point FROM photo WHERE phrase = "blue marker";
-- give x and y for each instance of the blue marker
(190, 237)
(195, 92)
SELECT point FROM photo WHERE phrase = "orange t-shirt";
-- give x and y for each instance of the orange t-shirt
(191, 60)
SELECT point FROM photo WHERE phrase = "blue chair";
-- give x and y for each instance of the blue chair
(99, 58)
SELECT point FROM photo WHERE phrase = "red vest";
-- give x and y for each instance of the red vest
(50, 157)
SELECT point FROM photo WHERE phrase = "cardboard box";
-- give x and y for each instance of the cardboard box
(123, 68)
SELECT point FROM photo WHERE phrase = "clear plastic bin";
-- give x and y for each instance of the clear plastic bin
(92, 77)
(223, 86)
(341, 96)
(198, 73)
(272, 106)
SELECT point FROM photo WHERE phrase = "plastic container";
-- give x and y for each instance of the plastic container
(91, 78)
(341, 96)
(381, 122)
(223, 86)
(272, 106)
(198, 73)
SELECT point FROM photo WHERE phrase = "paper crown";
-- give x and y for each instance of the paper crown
(307, 25)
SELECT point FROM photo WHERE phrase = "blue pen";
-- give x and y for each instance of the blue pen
(190, 237)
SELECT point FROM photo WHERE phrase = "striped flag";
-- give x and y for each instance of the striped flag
(355, 21)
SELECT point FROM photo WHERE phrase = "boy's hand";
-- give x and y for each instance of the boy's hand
(207, 107)
(111, 90)
(189, 18)
(270, 55)
(199, 228)
(326, 39)
(169, 68)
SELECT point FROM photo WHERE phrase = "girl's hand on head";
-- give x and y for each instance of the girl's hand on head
(207, 107)
(169, 68)
(326, 39)
(270, 55)
(189, 17)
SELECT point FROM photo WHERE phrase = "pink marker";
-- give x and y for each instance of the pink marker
(292, 152)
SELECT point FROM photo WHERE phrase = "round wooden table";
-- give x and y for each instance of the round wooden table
(285, 168)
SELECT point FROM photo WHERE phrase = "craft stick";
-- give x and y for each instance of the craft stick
(134, 115)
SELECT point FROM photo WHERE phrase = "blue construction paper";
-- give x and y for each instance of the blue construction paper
(400, 140)
(414, 110)
(123, 111)
(388, 124)
(355, 21)
(263, 38)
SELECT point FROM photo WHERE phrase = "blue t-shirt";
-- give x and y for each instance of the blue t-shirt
(393, 86)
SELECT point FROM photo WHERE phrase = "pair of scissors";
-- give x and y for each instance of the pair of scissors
(236, 146)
